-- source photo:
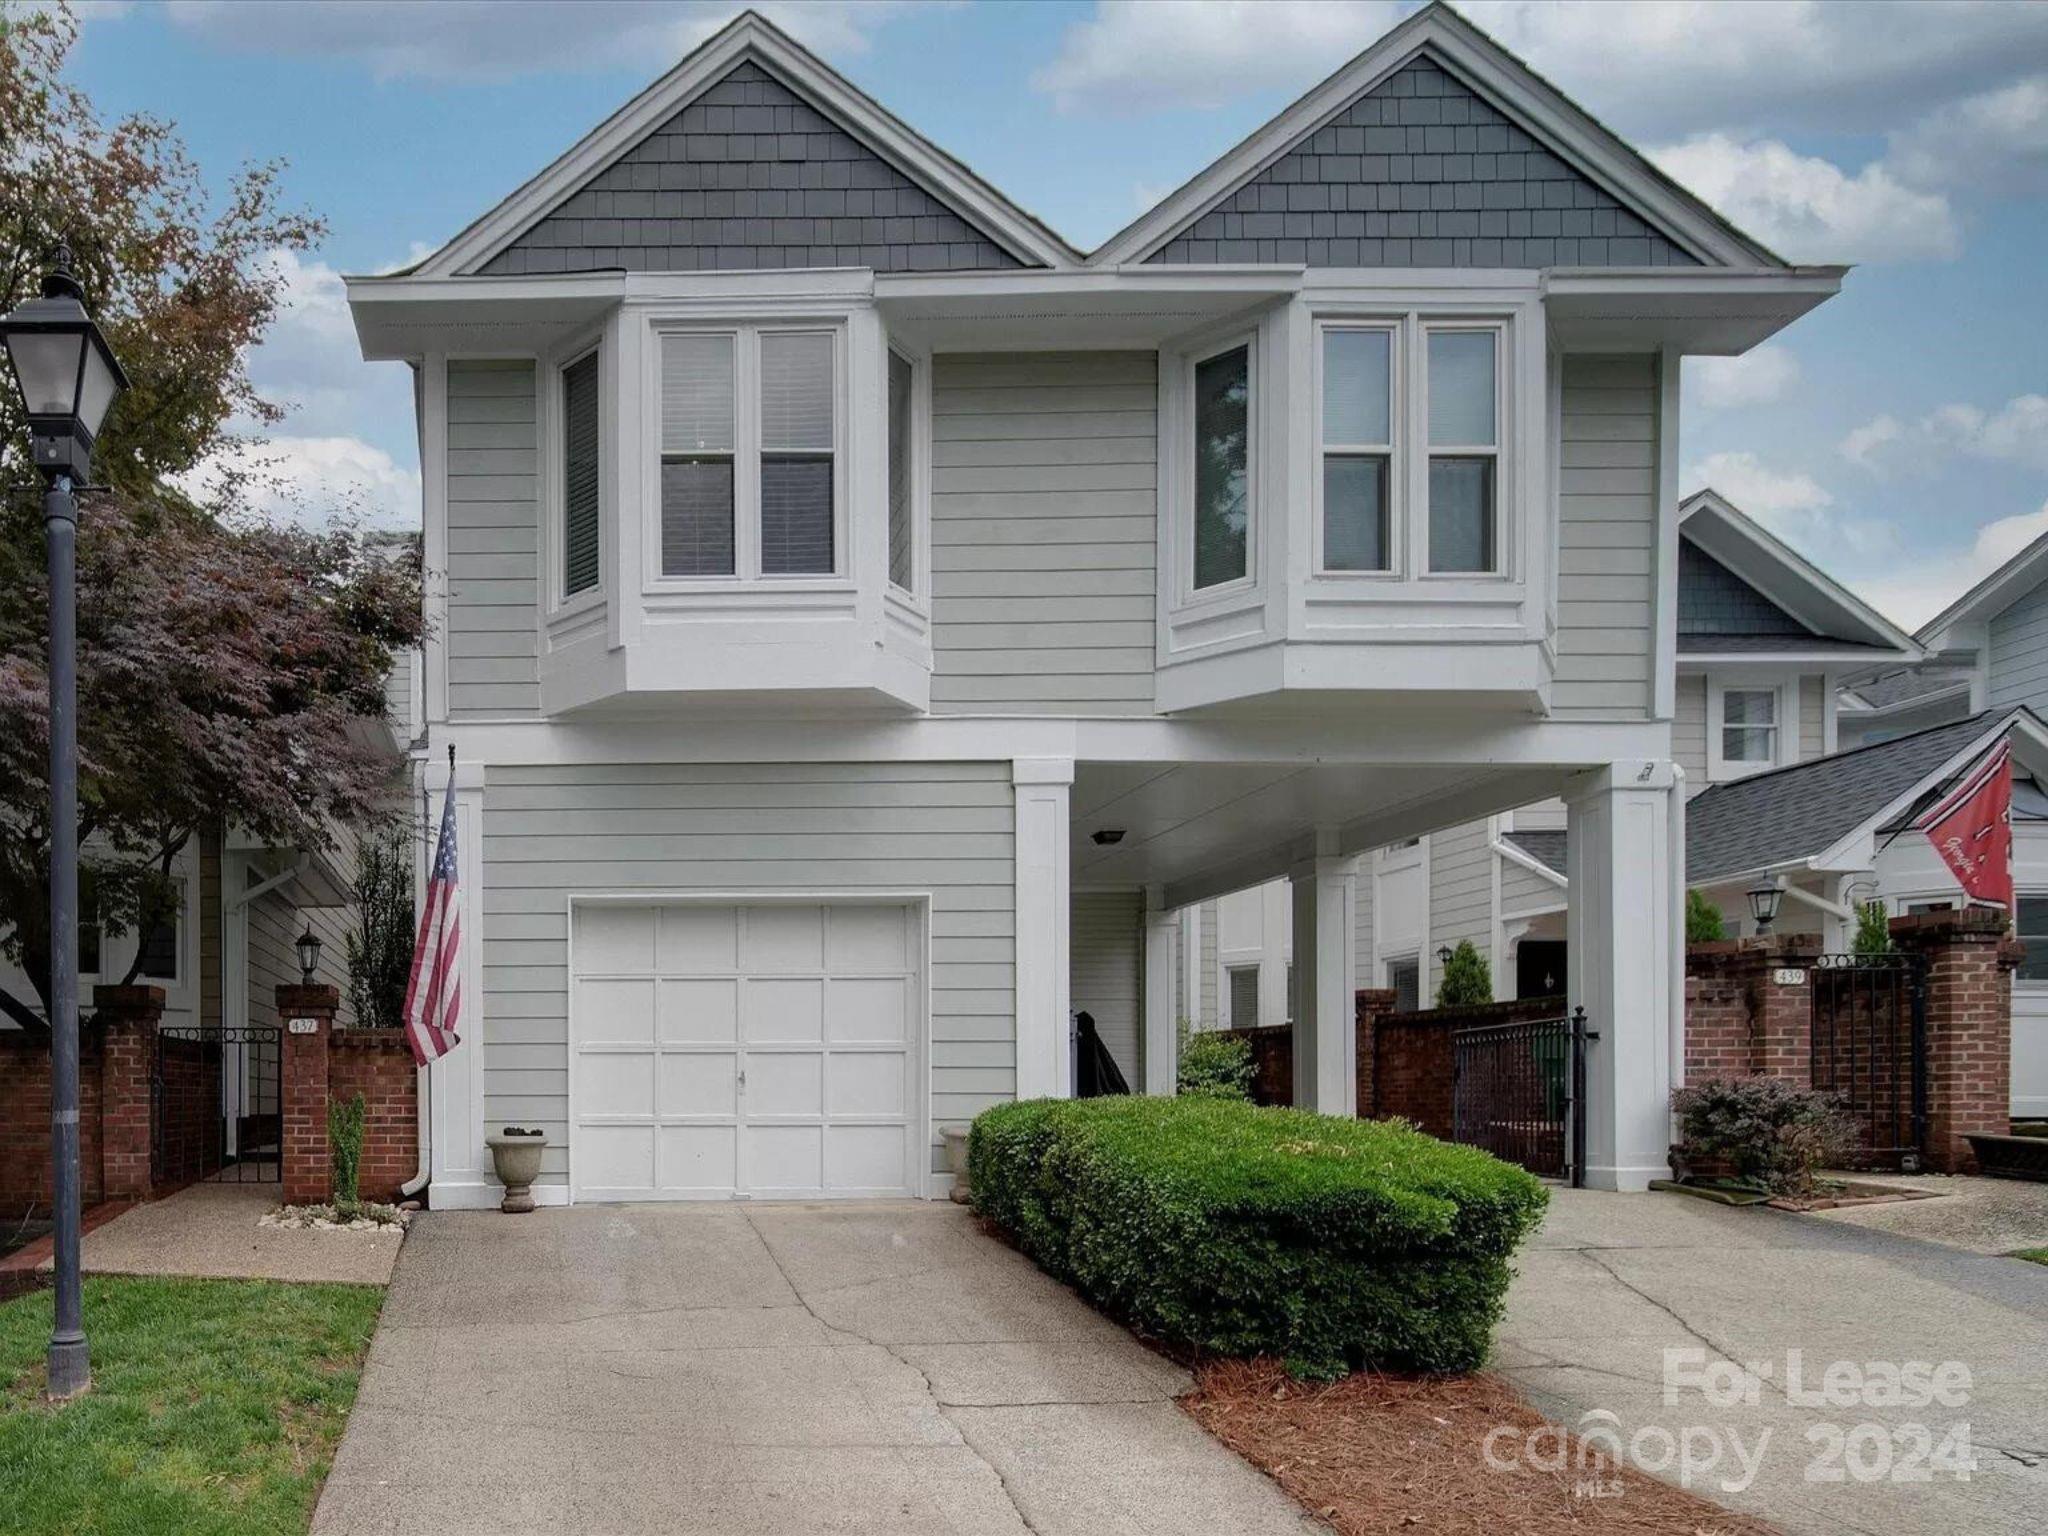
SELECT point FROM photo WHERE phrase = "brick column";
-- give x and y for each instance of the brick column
(1368, 1004)
(1749, 1008)
(127, 1018)
(308, 1162)
(1781, 993)
(1970, 961)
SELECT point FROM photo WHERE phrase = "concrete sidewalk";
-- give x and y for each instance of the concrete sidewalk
(777, 1370)
(1614, 1281)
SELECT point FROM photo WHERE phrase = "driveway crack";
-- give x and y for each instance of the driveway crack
(894, 1353)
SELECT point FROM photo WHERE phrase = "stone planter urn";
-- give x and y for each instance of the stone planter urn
(955, 1138)
(516, 1156)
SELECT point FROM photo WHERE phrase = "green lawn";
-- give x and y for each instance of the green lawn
(215, 1410)
(2033, 1255)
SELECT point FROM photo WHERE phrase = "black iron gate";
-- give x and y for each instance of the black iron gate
(1869, 1042)
(1517, 1090)
(216, 1104)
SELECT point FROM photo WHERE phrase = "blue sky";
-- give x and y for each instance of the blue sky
(1898, 436)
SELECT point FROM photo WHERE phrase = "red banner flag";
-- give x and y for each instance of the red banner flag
(1971, 828)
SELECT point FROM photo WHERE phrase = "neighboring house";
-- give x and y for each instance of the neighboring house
(1764, 641)
(863, 622)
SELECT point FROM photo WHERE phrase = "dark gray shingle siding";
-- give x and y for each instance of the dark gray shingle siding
(1713, 600)
(1547, 847)
(749, 175)
(1421, 172)
(1797, 812)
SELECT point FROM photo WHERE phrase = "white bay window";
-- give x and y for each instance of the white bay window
(1464, 446)
(1222, 467)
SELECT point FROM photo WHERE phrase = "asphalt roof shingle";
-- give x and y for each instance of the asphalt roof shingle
(1796, 812)
(1547, 848)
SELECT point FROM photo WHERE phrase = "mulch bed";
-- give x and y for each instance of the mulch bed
(1404, 1456)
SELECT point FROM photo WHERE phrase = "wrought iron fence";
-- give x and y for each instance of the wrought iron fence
(1869, 1047)
(1518, 1091)
(216, 1106)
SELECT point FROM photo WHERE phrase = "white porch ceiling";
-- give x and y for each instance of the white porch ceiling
(1201, 829)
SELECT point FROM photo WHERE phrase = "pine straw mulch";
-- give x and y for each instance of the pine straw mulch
(1377, 1455)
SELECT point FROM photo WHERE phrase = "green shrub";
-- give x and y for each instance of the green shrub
(1213, 1065)
(1873, 929)
(1331, 1243)
(1774, 1132)
(380, 947)
(1703, 923)
(345, 1137)
(1467, 978)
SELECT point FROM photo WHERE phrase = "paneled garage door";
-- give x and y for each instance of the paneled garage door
(769, 1050)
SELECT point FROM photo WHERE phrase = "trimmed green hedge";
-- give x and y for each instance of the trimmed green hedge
(1330, 1243)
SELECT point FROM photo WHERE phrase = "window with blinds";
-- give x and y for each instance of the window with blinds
(581, 534)
(902, 551)
(1244, 996)
(749, 434)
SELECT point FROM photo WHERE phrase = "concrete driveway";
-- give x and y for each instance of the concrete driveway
(1614, 1281)
(763, 1369)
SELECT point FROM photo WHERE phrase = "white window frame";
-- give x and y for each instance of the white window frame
(920, 470)
(1425, 452)
(1229, 1002)
(1720, 768)
(1410, 452)
(747, 454)
(1393, 328)
(1184, 560)
(2028, 983)
(549, 464)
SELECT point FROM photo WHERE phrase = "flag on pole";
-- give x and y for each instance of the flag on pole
(433, 992)
(1971, 828)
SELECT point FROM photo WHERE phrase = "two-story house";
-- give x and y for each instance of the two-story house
(863, 621)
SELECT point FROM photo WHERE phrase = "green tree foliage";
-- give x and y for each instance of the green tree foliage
(1873, 929)
(1466, 980)
(380, 949)
(1703, 923)
(345, 1137)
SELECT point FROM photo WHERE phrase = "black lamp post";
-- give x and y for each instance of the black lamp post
(1763, 904)
(308, 946)
(68, 377)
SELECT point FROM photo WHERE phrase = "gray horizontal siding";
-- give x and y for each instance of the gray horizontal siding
(1689, 730)
(750, 175)
(1607, 529)
(493, 538)
(2019, 653)
(1044, 516)
(1106, 945)
(1460, 896)
(1421, 171)
(549, 833)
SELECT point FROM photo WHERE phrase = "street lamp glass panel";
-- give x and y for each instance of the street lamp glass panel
(97, 388)
(46, 368)
(309, 954)
(1763, 903)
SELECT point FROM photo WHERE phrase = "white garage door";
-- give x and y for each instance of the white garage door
(772, 1051)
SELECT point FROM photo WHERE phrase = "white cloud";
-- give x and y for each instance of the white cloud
(1793, 505)
(399, 39)
(1996, 141)
(2014, 433)
(1912, 592)
(1136, 56)
(312, 481)
(1762, 376)
(1809, 209)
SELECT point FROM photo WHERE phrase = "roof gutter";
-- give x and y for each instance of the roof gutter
(1530, 862)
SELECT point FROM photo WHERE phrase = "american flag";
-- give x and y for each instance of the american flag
(433, 992)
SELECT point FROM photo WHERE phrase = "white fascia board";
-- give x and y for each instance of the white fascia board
(1785, 576)
(749, 36)
(1531, 863)
(1251, 279)
(1495, 73)
(1806, 659)
(1990, 597)
(1868, 711)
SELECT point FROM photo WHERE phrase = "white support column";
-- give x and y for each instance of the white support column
(1045, 1065)
(461, 1162)
(1191, 964)
(1162, 1040)
(1325, 954)
(1624, 931)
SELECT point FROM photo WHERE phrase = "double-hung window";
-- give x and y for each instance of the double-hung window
(1464, 449)
(1408, 476)
(582, 540)
(1745, 729)
(1358, 448)
(902, 466)
(1222, 467)
(750, 453)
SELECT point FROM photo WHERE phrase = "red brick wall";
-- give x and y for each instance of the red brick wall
(308, 1163)
(1745, 1009)
(25, 1183)
(1413, 1064)
(126, 1019)
(378, 1064)
(1272, 1062)
(1969, 1027)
